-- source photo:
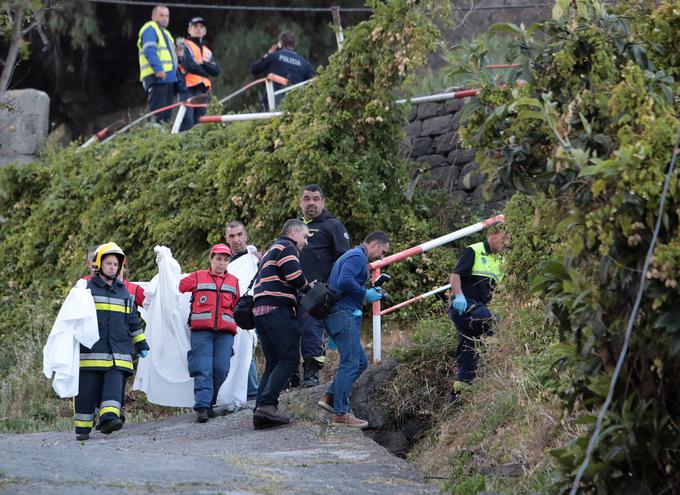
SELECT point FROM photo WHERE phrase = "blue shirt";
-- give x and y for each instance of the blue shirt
(348, 276)
(151, 54)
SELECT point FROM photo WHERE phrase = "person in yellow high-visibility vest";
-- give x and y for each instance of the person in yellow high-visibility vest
(158, 62)
(197, 65)
(473, 280)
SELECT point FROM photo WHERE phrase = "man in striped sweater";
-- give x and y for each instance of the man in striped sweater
(277, 284)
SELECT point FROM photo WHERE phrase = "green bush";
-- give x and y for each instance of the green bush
(589, 133)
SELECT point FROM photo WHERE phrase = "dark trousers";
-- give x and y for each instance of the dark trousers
(208, 361)
(279, 335)
(472, 326)
(311, 331)
(160, 95)
(95, 386)
(193, 113)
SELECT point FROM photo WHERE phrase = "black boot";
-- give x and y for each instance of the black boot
(294, 381)
(311, 373)
(202, 415)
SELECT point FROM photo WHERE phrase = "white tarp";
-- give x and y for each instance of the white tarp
(164, 375)
(76, 324)
(234, 390)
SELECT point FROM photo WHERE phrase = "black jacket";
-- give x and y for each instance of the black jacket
(206, 69)
(119, 330)
(329, 240)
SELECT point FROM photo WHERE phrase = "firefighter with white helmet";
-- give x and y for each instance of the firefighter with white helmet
(103, 367)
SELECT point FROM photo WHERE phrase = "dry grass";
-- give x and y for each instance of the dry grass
(499, 438)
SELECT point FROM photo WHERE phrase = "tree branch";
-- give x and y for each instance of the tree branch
(13, 52)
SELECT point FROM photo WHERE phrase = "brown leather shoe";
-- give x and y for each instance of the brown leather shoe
(326, 402)
(349, 420)
(272, 413)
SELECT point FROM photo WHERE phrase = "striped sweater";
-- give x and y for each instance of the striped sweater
(279, 276)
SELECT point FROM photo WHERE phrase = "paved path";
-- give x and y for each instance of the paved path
(225, 455)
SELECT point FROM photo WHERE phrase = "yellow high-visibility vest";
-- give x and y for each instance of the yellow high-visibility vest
(486, 264)
(162, 49)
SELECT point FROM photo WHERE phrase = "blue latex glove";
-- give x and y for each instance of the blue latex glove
(356, 313)
(373, 295)
(459, 304)
(331, 344)
(143, 354)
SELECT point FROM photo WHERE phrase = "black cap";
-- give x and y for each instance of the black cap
(197, 20)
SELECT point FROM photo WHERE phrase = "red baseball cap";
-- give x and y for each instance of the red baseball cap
(220, 249)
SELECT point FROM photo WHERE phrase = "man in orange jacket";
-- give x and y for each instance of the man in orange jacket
(198, 65)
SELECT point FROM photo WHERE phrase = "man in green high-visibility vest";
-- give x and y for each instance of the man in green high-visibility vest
(473, 280)
(158, 62)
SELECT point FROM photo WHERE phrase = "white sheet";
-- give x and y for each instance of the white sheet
(233, 391)
(76, 324)
(164, 375)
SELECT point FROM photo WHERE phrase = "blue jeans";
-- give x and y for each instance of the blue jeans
(346, 332)
(253, 383)
(474, 324)
(209, 364)
(279, 335)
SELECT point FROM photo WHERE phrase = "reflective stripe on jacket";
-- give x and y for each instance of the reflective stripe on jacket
(212, 300)
(162, 49)
(119, 328)
(486, 264)
(200, 53)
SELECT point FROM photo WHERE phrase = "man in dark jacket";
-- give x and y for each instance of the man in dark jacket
(284, 61)
(278, 281)
(197, 65)
(327, 242)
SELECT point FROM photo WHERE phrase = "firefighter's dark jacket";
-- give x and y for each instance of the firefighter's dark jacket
(120, 334)
(329, 240)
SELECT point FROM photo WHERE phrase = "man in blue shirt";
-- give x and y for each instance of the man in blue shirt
(284, 61)
(158, 62)
(347, 279)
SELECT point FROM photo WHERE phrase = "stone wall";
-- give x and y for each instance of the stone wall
(24, 122)
(445, 165)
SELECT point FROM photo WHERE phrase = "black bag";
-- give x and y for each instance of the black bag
(243, 311)
(318, 301)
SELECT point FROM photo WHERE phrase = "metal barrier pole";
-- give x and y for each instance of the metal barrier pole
(238, 117)
(271, 100)
(415, 299)
(178, 119)
(377, 324)
(441, 96)
(439, 241)
(294, 86)
(337, 26)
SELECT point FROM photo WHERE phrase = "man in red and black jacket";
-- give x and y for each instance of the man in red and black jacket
(214, 293)
(277, 284)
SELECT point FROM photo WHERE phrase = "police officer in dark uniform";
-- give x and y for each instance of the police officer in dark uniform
(475, 276)
(328, 241)
(284, 61)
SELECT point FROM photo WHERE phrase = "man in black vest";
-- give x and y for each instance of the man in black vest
(328, 241)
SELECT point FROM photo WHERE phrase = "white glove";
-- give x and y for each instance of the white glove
(253, 336)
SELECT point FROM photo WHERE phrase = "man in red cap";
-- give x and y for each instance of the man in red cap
(214, 293)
